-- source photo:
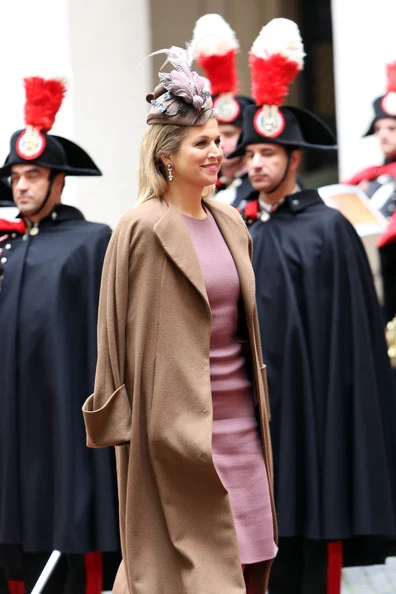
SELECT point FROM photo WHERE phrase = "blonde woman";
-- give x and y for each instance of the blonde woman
(180, 383)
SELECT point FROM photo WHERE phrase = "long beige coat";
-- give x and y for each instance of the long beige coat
(152, 400)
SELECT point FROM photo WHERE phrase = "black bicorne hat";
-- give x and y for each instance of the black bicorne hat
(229, 108)
(5, 194)
(297, 127)
(59, 154)
(34, 145)
(385, 106)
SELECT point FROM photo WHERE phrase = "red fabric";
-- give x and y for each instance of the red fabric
(391, 77)
(251, 209)
(271, 78)
(43, 100)
(371, 173)
(16, 587)
(221, 72)
(334, 567)
(389, 235)
(94, 573)
(12, 226)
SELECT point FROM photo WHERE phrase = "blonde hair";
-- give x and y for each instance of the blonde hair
(158, 140)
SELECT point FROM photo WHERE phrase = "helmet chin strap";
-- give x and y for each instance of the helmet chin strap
(284, 175)
(51, 178)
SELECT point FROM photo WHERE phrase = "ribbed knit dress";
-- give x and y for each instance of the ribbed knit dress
(237, 450)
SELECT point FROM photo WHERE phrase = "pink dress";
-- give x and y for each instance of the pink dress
(236, 446)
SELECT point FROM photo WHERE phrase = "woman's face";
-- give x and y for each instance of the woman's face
(198, 160)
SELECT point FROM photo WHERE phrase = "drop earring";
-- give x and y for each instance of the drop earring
(170, 171)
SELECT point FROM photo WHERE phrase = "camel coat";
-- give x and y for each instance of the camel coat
(152, 400)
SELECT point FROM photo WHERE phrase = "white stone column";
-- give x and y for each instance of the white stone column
(108, 40)
(34, 40)
(99, 45)
(364, 41)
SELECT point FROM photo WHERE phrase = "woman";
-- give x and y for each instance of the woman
(173, 391)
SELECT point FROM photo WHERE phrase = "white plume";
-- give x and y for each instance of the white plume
(280, 36)
(213, 36)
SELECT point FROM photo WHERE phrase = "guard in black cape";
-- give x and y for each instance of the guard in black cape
(379, 181)
(330, 383)
(54, 492)
(216, 48)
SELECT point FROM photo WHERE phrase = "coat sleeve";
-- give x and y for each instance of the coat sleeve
(107, 412)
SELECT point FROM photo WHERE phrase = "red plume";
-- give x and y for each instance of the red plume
(43, 100)
(271, 78)
(391, 76)
(221, 71)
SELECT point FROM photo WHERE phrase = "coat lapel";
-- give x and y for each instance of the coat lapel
(173, 234)
(175, 239)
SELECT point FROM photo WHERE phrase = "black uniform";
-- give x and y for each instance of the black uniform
(55, 493)
(330, 384)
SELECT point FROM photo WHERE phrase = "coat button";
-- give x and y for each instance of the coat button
(204, 456)
(3, 260)
(13, 235)
(8, 246)
(295, 202)
(204, 411)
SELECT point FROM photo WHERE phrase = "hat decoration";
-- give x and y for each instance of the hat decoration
(388, 102)
(275, 59)
(385, 105)
(216, 47)
(43, 100)
(179, 91)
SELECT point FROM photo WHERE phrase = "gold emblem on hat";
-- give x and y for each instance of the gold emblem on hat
(30, 144)
(227, 107)
(269, 121)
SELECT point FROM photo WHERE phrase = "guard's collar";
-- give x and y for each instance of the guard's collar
(299, 201)
(59, 213)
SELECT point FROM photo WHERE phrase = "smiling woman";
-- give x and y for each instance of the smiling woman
(180, 163)
(165, 150)
(180, 384)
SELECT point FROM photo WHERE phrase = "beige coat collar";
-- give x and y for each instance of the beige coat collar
(175, 239)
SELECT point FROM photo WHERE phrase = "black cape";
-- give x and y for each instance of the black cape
(55, 493)
(387, 254)
(330, 384)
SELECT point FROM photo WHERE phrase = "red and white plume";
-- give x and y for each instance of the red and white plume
(391, 77)
(43, 100)
(275, 59)
(216, 46)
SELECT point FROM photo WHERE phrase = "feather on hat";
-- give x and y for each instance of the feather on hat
(43, 100)
(180, 98)
(216, 47)
(276, 57)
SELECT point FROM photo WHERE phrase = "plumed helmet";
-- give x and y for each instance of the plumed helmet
(276, 57)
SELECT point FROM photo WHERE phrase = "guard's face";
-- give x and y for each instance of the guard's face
(266, 164)
(29, 186)
(198, 160)
(385, 131)
(229, 138)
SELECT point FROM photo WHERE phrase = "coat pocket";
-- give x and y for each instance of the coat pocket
(109, 425)
(263, 370)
